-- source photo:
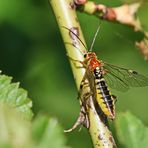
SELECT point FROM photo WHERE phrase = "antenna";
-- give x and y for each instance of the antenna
(98, 29)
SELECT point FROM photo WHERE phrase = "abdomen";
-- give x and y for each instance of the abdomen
(103, 96)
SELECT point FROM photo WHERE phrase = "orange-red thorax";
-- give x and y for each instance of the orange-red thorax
(92, 61)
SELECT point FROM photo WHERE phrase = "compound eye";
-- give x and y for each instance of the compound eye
(85, 55)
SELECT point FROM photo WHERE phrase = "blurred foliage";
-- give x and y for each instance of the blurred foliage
(131, 131)
(16, 132)
(48, 133)
(33, 53)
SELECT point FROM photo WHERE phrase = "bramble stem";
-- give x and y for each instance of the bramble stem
(66, 17)
(65, 14)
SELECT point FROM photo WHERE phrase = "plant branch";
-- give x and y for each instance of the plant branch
(124, 14)
(65, 14)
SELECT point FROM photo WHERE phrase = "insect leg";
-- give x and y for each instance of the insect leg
(81, 120)
(83, 117)
(80, 62)
(74, 59)
(115, 98)
(83, 85)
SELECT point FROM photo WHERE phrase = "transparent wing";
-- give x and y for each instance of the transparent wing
(121, 79)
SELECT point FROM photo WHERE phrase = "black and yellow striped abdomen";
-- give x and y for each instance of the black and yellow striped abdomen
(103, 96)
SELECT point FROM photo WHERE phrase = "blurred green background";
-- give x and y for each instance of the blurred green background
(33, 53)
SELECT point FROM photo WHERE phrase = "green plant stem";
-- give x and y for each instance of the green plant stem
(66, 16)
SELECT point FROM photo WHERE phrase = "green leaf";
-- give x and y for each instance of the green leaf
(131, 131)
(15, 96)
(48, 133)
